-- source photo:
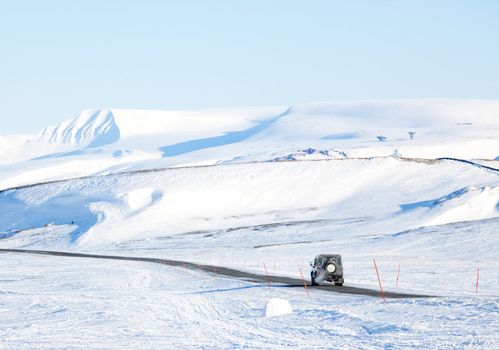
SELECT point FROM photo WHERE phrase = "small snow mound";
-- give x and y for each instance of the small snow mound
(92, 127)
(142, 197)
(277, 307)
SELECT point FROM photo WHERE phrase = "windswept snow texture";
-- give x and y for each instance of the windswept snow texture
(261, 190)
(93, 128)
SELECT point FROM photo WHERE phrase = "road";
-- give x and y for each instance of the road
(225, 271)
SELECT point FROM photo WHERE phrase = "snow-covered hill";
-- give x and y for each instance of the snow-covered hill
(106, 209)
(100, 142)
(106, 141)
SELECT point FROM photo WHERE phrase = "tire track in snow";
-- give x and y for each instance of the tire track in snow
(227, 272)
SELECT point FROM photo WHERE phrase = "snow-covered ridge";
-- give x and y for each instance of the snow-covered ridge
(407, 113)
(126, 206)
(327, 120)
(190, 123)
(91, 126)
(104, 126)
(114, 140)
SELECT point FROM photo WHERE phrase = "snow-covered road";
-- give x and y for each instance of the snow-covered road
(229, 272)
(54, 302)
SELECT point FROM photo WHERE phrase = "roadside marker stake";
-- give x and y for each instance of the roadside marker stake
(304, 283)
(398, 273)
(215, 270)
(379, 281)
(266, 274)
(477, 278)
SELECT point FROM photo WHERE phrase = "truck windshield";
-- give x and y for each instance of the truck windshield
(336, 259)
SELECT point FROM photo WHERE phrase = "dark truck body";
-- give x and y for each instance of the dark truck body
(327, 268)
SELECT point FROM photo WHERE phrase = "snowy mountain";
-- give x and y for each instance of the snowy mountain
(108, 141)
(92, 128)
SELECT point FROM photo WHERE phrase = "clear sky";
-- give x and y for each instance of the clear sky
(59, 57)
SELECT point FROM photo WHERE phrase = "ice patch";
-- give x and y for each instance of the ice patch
(277, 307)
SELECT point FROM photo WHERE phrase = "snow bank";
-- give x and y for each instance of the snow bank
(277, 307)
(466, 204)
(470, 203)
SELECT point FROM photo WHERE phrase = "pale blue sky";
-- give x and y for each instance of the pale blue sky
(59, 57)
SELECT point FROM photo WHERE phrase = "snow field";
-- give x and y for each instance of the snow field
(141, 305)
(253, 189)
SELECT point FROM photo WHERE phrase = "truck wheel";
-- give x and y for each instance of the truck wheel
(338, 284)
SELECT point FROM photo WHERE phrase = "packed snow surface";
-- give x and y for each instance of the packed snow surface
(261, 190)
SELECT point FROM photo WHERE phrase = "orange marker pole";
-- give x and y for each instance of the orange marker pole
(266, 274)
(304, 283)
(379, 281)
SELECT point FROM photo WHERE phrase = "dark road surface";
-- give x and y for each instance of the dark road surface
(224, 271)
